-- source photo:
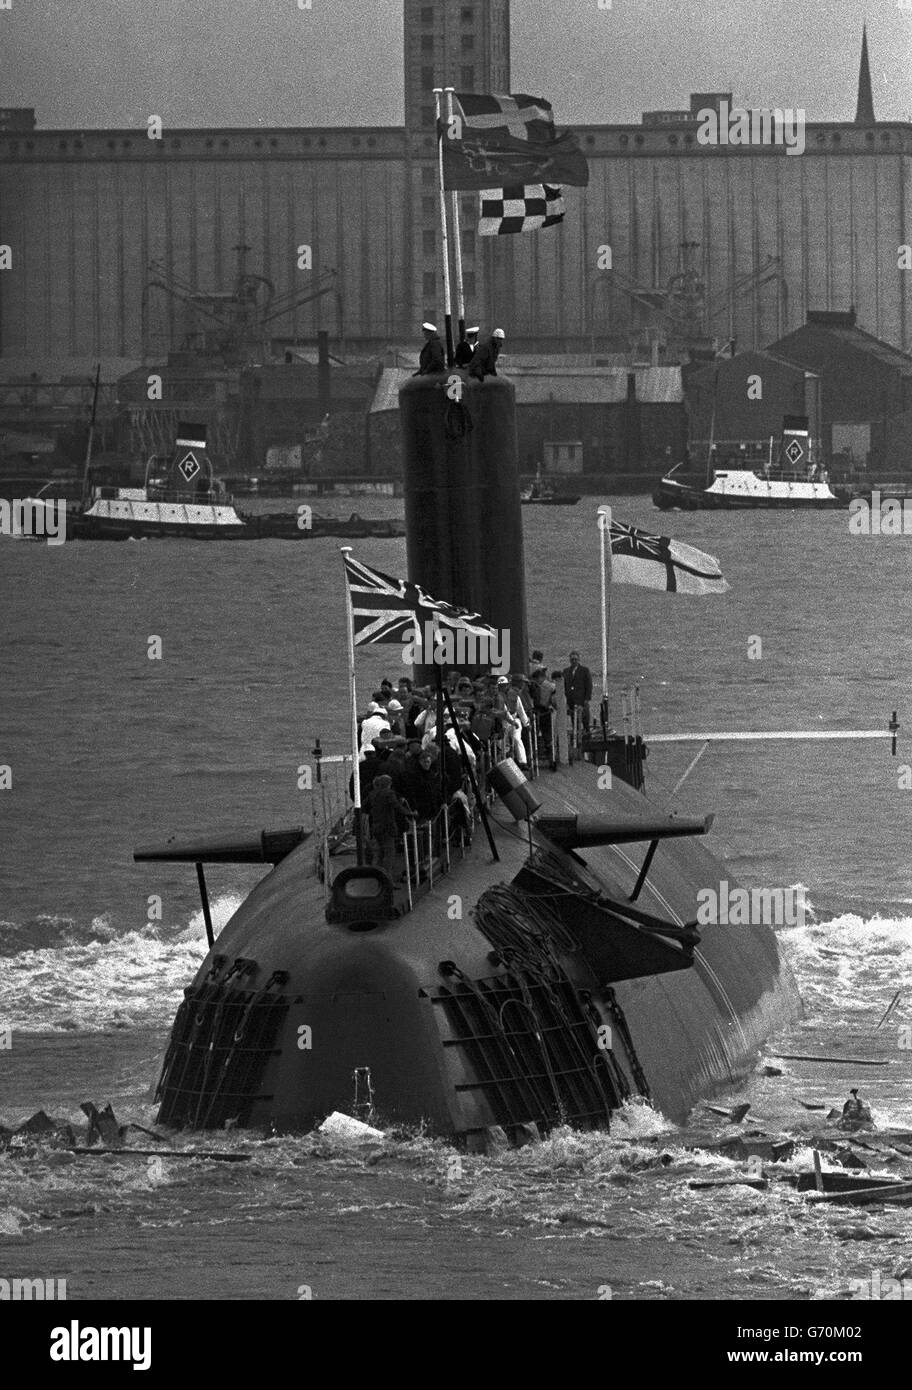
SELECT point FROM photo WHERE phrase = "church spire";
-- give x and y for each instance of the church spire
(864, 111)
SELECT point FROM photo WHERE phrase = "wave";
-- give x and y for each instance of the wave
(98, 978)
(856, 962)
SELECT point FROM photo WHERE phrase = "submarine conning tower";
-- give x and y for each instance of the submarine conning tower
(462, 509)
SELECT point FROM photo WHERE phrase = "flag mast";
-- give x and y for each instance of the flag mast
(457, 240)
(604, 525)
(445, 241)
(87, 465)
(345, 551)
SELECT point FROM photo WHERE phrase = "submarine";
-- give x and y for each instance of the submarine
(536, 963)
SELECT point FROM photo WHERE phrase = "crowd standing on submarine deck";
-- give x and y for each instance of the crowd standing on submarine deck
(523, 716)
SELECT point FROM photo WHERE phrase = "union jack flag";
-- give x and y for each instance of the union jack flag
(657, 562)
(395, 611)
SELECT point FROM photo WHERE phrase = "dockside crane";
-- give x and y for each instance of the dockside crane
(233, 324)
(680, 314)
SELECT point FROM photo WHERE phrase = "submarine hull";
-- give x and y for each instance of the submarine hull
(422, 1016)
(542, 984)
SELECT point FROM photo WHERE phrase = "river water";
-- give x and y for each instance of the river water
(109, 749)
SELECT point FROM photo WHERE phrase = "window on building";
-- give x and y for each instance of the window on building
(427, 14)
(428, 174)
(428, 207)
(427, 43)
(468, 241)
(429, 242)
(428, 115)
(467, 78)
(468, 284)
(467, 14)
(468, 43)
(470, 207)
(429, 285)
(427, 79)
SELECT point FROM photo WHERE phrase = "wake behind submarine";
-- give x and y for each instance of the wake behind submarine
(538, 962)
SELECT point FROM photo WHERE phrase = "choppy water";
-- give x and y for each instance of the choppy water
(109, 749)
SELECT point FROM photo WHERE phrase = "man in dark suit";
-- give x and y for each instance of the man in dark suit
(431, 358)
(578, 686)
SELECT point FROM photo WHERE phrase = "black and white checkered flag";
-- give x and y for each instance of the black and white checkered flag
(524, 208)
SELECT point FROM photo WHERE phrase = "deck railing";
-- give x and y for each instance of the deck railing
(425, 848)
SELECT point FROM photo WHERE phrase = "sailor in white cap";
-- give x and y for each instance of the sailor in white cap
(375, 722)
(431, 358)
(466, 349)
(484, 362)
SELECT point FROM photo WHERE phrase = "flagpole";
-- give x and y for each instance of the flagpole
(353, 695)
(457, 241)
(445, 241)
(604, 524)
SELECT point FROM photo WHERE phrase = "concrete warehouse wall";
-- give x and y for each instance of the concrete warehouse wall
(835, 216)
(85, 212)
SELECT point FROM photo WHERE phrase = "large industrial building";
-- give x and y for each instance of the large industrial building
(726, 241)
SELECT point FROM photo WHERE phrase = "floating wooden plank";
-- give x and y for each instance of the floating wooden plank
(760, 1184)
(735, 1115)
(166, 1153)
(841, 1182)
(848, 1061)
(897, 1194)
(818, 1175)
(890, 1008)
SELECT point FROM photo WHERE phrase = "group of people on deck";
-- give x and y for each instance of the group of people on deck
(478, 358)
(400, 748)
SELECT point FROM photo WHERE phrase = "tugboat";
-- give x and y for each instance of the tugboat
(783, 475)
(737, 488)
(182, 498)
(528, 958)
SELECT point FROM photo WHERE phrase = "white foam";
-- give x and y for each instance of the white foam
(131, 980)
(851, 960)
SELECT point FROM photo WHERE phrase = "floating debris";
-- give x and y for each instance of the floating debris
(772, 1149)
(40, 1128)
(891, 1006)
(896, 1193)
(339, 1126)
(103, 1125)
(208, 1154)
(735, 1116)
(853, 1061)
(759, 1183)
